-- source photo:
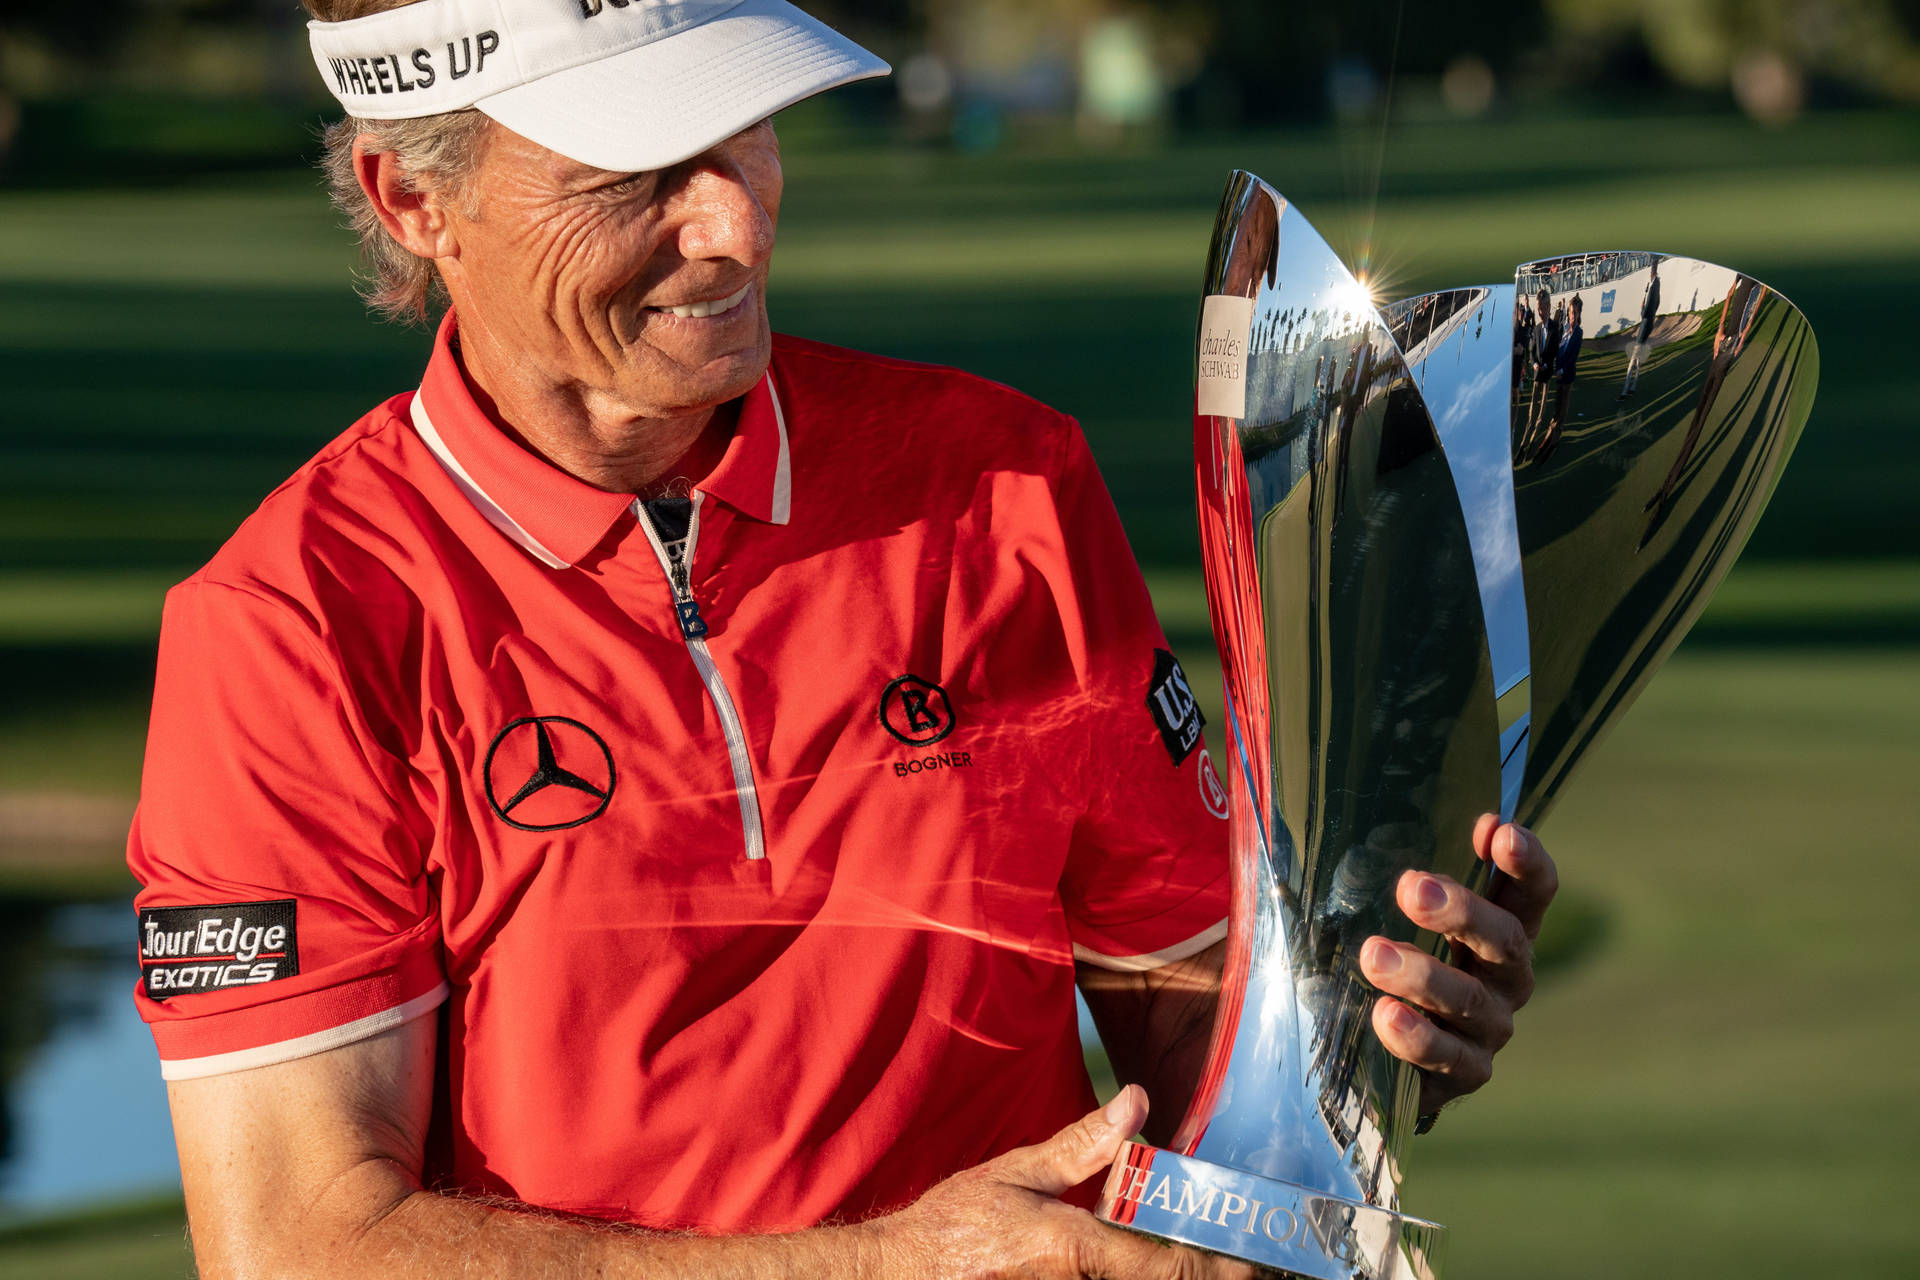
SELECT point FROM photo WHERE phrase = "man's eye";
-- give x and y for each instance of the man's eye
(620, 186)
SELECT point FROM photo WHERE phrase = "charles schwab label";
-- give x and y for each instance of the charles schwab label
(1226, 323)
(234, 944)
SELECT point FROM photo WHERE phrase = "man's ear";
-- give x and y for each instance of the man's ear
(417, 219)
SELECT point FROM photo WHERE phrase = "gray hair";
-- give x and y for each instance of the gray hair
(437, 153)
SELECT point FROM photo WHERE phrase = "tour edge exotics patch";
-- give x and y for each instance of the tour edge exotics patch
(184, 950)
(1174, 708)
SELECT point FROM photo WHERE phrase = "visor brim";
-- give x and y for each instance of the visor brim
(668, 101)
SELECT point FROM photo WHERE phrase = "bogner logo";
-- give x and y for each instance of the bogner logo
(1174, 709)
(235, 944)
(915, 711)
(1179, 1195)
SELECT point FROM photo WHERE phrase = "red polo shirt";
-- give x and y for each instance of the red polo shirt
(746, 896)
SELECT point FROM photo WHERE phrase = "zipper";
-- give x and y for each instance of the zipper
(693, 629)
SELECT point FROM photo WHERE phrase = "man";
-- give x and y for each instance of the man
(1522, 343)
(1546, 348)
(635, 807)
(1729, 340)
(1566, 365)
(1643, 336)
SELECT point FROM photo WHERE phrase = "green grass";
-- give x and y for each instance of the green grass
(138, 1240)
(1716, 1076)
(1728, 1087)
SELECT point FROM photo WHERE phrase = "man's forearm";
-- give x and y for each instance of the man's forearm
(433, 1236)
(310, 1170)
(1171, 1060)
(1157, 1027)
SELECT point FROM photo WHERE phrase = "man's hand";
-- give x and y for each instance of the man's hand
(1002, 1219)
(1470, 1004)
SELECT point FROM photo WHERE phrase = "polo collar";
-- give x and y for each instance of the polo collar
(755, 475)
(558, 518)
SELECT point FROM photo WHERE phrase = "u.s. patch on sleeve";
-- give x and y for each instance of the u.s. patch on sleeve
(184, 950)
(1174, 709)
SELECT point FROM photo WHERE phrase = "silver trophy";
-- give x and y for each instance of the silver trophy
(1445, 548)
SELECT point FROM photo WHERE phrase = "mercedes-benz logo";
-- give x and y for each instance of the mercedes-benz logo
(553, 771)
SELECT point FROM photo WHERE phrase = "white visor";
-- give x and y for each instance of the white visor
(625, 85)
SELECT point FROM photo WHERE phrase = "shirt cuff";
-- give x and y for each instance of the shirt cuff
(297, 1024)
(1154, 959)
(267, 1055)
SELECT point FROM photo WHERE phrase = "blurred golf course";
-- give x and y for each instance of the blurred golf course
(1720, 1075)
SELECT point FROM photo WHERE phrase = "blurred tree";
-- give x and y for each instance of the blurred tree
(53, 49)
(88, 31)
(1276, 57)
(1219, 62)
(1233, 61)
(888, 27)
(1763, 50)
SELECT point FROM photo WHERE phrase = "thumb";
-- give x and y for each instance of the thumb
(1079, 1151)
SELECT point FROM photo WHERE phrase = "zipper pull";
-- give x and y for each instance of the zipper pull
(685, 607)
(692, 625)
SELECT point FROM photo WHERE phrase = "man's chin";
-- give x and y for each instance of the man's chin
(728, 374)
(689, 390)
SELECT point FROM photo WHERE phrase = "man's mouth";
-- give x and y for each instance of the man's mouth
(713, 307)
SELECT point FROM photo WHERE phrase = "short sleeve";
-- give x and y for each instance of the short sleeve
(283, 908)
(1146, 876)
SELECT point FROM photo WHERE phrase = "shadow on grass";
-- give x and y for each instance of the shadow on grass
(54, 677)
(1576, 929)
(1896, 630)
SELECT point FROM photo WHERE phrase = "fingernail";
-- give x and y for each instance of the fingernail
(1116, 1111)
(1430, 894)
(1384, 958)
(1519, 844)
(1400, 1016)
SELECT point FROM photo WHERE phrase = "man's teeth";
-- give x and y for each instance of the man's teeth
(701, 310)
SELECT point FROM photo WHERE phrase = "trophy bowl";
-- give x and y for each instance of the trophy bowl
(1446, 543)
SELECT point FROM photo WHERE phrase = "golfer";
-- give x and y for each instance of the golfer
(640, 803)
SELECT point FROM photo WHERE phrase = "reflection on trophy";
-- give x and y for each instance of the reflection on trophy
(1446, 545)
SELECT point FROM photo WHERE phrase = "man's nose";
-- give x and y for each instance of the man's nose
(724, 216)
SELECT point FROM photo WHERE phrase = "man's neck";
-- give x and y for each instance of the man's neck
(591, 435)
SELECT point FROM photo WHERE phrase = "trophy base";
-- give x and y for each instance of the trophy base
(1285, 1228)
